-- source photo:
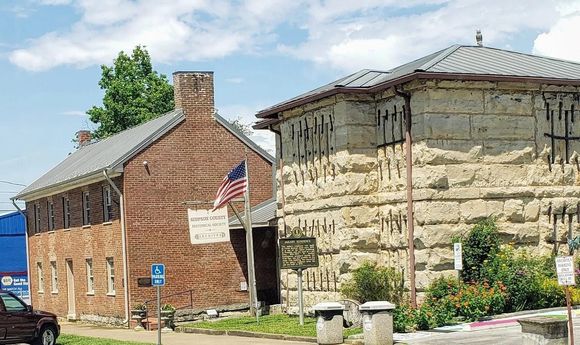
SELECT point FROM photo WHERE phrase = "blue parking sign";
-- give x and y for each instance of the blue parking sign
(158, 275)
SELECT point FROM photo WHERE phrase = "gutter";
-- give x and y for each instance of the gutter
(410, 215)
(123, 245)
(27, 248)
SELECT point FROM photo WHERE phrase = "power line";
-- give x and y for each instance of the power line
(13, 183)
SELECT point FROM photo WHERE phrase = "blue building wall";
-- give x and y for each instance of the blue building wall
(13, 276)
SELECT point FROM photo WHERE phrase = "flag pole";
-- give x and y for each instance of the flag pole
(250, 245)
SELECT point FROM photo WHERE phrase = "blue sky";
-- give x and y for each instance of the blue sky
(262, 52)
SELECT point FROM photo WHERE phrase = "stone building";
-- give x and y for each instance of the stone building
(492, 133)
(100, 218)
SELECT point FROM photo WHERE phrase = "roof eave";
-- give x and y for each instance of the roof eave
(267, 113)
(63, 186)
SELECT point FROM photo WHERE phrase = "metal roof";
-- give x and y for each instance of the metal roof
(457, 59)
(109, 153)
(262, 215)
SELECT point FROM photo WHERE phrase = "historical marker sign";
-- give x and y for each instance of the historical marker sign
(565, 270)
(298, 253)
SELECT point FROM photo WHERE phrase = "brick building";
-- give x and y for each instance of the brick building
(100, 218)
(389, 166)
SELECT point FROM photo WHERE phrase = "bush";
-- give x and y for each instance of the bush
(370, 282)
(480, 245)
(550, 294)
(404, 318)
(477, 300)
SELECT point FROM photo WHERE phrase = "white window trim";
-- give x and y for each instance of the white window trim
(90, 277)
(53, 277)
(111, 276)
(40, 277)
(107, 204)
(65, 212)
(50, 213)
(86, 208)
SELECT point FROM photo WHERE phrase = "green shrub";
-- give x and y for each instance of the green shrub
(404, 318)
(370, 282)
(550, 294)
(477, 300)
(480, 244)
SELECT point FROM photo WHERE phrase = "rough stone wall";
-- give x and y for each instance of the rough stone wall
(480, 149)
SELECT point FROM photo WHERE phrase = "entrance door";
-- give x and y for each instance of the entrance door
(70, 284)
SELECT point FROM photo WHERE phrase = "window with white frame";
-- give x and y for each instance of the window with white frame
(36, 218)
(54, 277)
(40, 277)
(107, 208)
(50, 213)
(90, 277)
(110, 276)
(65, 212)
(86, 208)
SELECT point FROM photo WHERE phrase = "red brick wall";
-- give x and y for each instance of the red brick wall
(97, 241)
(186, 164)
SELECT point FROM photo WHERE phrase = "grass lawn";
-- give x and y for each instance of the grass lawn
(274, 324)
(65, 339)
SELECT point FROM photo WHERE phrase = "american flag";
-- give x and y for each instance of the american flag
(233, 185)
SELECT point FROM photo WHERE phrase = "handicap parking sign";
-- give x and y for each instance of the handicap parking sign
(158, 275)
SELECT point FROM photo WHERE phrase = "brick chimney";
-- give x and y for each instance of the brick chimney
(83, 137)
(194, 93)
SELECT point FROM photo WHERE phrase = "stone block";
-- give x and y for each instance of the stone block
(473, 211)
(508, 151)
(501, 102)
(446, 126)
(463, 101)
(514, 210)
(542, 330)
(433, 177)
(461, 84)
(502, 127)
(461, 175)
(438, 152)
(436, 212)
(532, 211)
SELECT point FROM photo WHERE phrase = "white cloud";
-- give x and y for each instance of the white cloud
(190, 30)
(74, 113)
(344, 35)
(560, 40)
(376, 39)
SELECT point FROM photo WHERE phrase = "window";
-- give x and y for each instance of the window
(36, 218)
(90, 277)
(12, 304)
(40, 277)
(50, 212)
(65, 212)
(107, 209)
(110, 276)
(54, 277)
(86, 209)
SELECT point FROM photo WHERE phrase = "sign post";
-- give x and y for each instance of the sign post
(298, 253)
(565, 271)
(158, 280)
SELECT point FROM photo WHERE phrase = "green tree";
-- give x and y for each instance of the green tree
(241, 126)
(134, 93)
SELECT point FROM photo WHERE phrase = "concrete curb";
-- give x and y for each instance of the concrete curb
(245, 334)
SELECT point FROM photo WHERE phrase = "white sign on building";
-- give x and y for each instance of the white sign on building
(565, 270)
(206, 226)
(457, 256)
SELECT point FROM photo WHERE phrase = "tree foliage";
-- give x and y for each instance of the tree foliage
(134, 93)
(241, 126)
(480, 245)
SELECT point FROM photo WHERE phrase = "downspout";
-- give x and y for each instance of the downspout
(410, 219)
(27, 252)
(283, 204)
(123, 245)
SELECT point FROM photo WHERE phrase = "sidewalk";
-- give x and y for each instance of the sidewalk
(167, 338)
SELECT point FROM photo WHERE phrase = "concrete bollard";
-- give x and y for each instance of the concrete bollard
(542, 330)
(329, 322)
(377, 322)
